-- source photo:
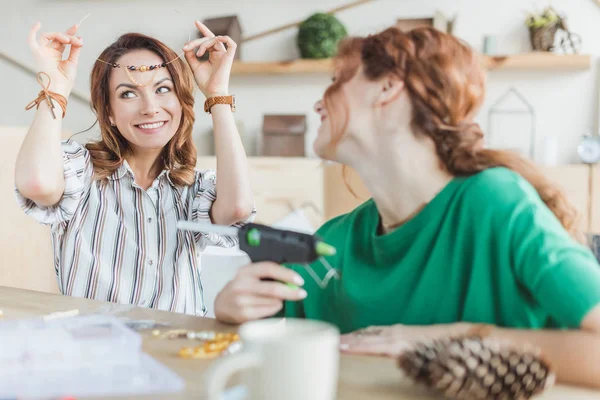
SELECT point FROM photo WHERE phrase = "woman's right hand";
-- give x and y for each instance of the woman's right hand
(48, 51)
(247, 297)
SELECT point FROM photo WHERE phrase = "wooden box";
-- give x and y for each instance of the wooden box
(226, 26)
(439, 21)
(283, 135)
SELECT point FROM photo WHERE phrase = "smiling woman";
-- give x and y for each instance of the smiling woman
(114, 204)
(147, 115)
(457, 239)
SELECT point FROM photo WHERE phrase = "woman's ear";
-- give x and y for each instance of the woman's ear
(112, 123)
(390, 90)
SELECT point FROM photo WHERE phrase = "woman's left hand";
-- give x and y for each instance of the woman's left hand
(212, 76)
(391, 341)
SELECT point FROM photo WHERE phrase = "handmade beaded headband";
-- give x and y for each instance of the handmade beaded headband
(142, 68)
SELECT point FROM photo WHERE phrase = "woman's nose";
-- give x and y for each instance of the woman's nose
(150, 107)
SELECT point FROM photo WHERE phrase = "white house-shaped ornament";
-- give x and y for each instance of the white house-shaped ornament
(511, 124)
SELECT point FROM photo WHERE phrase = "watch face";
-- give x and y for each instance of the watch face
(589, 150)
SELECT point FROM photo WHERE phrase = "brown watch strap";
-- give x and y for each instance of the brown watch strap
(211, 101)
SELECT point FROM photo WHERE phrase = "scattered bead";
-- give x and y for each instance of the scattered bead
(232, 348)
(222, 343)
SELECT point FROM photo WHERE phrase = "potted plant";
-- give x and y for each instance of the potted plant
(542, 29)
(319, 35)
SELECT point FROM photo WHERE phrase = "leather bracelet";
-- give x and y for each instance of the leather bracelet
(47, 95)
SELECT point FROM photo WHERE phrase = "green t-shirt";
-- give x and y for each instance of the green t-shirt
(485, 249)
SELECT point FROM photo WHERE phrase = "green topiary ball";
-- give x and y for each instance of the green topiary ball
(319, 35)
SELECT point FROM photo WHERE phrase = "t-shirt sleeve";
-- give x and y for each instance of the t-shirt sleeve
(562, 275)
(78, 173)
(204, 198)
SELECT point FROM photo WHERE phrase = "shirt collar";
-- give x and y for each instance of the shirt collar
(125, 169)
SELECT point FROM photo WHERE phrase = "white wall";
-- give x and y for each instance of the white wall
(565, 102)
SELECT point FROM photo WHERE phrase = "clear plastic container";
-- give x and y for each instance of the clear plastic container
(65, 342)
(77, 356)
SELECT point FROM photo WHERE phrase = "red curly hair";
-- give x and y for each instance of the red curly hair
(446, 85)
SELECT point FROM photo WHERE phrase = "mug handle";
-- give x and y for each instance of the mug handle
(219, 373)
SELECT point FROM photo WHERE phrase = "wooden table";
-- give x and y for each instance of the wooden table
(360, 377)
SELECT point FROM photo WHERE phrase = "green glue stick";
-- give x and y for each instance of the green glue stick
(324, 249)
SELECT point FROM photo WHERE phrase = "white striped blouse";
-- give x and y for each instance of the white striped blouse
(117, 242)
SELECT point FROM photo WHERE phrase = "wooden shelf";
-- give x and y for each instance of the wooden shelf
(284, 67)
(538, 61)
(527, 61)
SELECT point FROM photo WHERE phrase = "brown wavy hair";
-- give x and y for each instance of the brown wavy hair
(446, 85)
(107, 154)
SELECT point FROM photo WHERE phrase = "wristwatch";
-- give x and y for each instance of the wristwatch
(211, 101)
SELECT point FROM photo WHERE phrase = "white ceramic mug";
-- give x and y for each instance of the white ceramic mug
(292, 359)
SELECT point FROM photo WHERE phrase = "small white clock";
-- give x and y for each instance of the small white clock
(589, 149)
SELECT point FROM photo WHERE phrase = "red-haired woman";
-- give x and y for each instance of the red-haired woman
(113, 205)
(455, 234)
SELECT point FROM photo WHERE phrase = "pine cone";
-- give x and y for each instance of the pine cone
(475, 368)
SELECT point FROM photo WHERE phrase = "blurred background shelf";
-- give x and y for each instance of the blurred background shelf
(299, 66)
(539, 61)
(526, 61)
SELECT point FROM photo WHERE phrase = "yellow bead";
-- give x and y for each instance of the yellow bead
(186, 352)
